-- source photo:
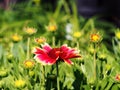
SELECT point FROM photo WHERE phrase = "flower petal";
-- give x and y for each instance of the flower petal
(46, 47)
(67, 52)
(43, 57)
(45, 60)
(68, 61)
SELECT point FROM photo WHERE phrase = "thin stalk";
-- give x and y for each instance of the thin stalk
(59, 6)
(53, 41)
(28, 48)
(44, 76)
(67, 9)
(94, 58)
(57, 72)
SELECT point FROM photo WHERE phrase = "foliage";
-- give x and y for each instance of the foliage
(67, 28)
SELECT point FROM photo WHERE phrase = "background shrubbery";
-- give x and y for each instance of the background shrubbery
(58, 26)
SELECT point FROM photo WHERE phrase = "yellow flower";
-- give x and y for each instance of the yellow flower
(108, 66)
(117, 34)
(16, 38)
(9, 55)
(102, 56)
(31, 73)
(40, 40)
(20, 83)
(29, 63)
(3, 72)
(95, 37)
(52, 26)
(30, 30)
(77, 34)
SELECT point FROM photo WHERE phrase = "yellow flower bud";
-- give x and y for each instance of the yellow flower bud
(30, 30)
(77, 34)
(95, 37)
(29, 64)
(16, 38)
(20, 83)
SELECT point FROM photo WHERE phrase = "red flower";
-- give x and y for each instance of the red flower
(48, 56)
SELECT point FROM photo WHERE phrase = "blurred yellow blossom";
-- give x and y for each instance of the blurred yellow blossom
(117, 34)
(3, 72)
(20, 83)
(108, 66)
(102, 56)
(95, 37)
(30, 30)
(29, 63)
(51, 27)
(31, 73)
(77, 34)
(9, 55)
(40, 40)
(16, 37)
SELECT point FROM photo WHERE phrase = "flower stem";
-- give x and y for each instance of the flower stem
(57, 72)
(43, 78)
(94, 58)
(28, 48)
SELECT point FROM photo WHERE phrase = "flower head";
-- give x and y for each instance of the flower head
(52, 26)
(16, 38)
(40, 40)
(48, 56)
(95, 37)
(3, 72)
(117, 34)
(117, 77)
(77, 34)
(30, 30)
(29, 63)
(19, 83)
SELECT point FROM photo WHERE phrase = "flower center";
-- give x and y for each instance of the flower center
(54, 53)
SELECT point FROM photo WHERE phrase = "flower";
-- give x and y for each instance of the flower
(19, 83)
(31, 73)
(30, 30)
(29, 63)
(95, 37)
(108, 67)
(40, 40)
(117, 77)
(48, 56)
(51, 27)
(16, 38)
(117, 34)
(3, 72)
(77, 34)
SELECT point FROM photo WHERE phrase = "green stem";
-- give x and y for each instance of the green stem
(94, 58)
(28, 48)
(57, 72)
(59, 6)
(43, 78)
